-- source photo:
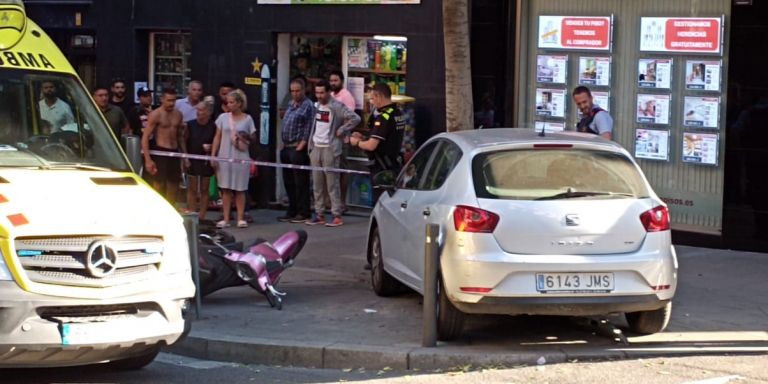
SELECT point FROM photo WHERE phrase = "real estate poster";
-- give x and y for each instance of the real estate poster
(652, 145)
(550, 102)
(654, 73)
(549, 126)
(703, 75)
(701, 112)
(681, 34)
(653, 109)
(575, 32)
(551, 69)
(595, 71)
(700, 148)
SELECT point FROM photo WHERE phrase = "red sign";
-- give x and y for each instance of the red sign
(692, 35)
(586, 32)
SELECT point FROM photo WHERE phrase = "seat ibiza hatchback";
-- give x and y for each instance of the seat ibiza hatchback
(565, 224)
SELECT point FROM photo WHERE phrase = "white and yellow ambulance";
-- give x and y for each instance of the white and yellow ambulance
(94, 265)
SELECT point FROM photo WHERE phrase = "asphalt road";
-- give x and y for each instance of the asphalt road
(174, 369)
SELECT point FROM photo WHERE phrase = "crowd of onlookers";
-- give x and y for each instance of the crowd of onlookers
(313, 133)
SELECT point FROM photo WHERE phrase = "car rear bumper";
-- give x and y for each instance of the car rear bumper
(481, 278)
(558, 306)
(44, 331)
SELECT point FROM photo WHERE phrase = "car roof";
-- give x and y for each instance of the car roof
(482, 138)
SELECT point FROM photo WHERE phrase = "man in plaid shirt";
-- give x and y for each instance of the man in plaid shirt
(297, 123)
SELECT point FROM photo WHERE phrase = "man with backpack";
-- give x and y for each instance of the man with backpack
(594, 119)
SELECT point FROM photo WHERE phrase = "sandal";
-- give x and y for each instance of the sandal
(222, 224)
(242, 224)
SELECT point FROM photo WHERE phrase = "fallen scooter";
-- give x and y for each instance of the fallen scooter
(260, 265)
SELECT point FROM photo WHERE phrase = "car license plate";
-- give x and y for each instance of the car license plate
(582, 282)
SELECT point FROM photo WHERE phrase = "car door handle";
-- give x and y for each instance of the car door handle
(404, 205)
(426, 212)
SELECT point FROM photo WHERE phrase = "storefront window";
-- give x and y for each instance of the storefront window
(170, 57)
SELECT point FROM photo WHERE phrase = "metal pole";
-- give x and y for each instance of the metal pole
(431, 266)
(191, 222)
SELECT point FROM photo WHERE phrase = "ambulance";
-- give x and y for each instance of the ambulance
(94, 265)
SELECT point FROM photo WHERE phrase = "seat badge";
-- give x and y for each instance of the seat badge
(572, 220)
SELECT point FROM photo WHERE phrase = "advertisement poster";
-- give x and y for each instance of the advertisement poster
(652, 145)
(701, 112)
(551, 69)
(702, 75)
(549, 126)
(700, 148)
(654, 73)
(357, 53)
(595, 71)
(550, 102)
(356, 86)
(294, 2)
(575, 32)
(653, 109)
(686, 34)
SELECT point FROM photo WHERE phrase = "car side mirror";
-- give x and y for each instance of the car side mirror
(132, 146)
(385, 180)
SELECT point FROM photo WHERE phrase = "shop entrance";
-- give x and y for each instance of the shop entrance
(745, 213)
(364, 60)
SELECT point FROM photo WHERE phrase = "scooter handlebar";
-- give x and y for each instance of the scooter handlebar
(213, 241)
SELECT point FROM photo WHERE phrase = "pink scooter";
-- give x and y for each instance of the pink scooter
(262, 264)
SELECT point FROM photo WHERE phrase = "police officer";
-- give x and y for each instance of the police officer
(595, 120)
(386, 133)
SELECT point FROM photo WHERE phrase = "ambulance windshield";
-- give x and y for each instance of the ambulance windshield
(48, 121)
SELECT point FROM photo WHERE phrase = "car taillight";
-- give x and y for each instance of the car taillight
(656, 220)
(471, 219)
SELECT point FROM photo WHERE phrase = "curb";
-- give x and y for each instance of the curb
(248, 350)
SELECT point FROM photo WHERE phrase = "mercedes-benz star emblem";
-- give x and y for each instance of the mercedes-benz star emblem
(101, 259)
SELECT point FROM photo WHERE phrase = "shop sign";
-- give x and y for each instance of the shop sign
(682, 34)
(343, 2)
(575, 32)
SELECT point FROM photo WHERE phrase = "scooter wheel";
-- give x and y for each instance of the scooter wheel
(274, 300)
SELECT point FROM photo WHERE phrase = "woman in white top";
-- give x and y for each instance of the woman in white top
(234, 131)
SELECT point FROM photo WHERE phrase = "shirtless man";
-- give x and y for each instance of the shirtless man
(166, 125)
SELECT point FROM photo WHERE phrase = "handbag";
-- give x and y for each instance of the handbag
(240, 143)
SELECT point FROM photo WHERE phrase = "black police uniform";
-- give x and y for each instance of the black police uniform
(388, 127)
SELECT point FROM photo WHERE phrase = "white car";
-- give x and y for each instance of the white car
(562, 224)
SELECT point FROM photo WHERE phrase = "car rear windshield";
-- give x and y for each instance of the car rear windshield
(552, 174)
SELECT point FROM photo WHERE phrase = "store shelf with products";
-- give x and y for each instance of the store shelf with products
(169, 63)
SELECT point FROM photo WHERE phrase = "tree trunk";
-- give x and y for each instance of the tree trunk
(458, 71)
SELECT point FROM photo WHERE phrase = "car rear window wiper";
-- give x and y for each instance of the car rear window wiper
(572, 193)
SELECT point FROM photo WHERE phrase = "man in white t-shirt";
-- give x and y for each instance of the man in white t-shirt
(54, 110)
(332, 122)
(187, 105)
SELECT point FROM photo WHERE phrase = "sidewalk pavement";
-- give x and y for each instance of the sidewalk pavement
(332, 319)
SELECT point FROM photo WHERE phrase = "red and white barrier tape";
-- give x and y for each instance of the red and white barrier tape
(258, 163)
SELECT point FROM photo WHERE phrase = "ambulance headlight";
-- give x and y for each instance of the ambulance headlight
(176, 252)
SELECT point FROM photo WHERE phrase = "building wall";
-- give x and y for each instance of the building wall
(695, 192)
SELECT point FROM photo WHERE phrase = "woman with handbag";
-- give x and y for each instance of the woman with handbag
(199, 135)
(234, 132)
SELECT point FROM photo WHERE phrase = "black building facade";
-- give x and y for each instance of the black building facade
(107, 39)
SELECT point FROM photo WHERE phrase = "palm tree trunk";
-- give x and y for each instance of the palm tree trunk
(458, 70)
